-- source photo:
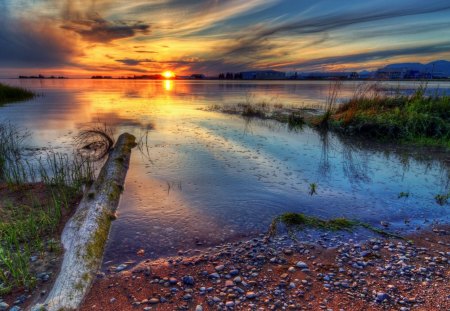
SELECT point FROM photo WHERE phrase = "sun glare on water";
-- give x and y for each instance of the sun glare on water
(168, 74)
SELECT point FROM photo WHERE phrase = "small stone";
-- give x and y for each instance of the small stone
(112, 300)
(3, 306)
(187, 297)
(219, 268)
(288, 251)
(229, 304)
(250, 295)
(153, 301)
(214, 275)
(173, 280)
(198, 308)
(188, 280)
(121, 267)
(382, 297)
(291, 269)
(301, 265)
(229, 283)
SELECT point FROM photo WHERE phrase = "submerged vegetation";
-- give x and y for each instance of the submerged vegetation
(442, 199)
(297, 221)
(312, 189)
(37, 194)
(13, 94)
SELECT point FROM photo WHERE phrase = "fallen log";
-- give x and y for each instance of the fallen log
(85, 234)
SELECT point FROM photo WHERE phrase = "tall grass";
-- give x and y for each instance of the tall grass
(12, 94)
(333, 93)
(418, 118)
(25, 227)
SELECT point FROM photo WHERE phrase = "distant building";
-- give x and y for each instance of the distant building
(328, 75)
(263, 75)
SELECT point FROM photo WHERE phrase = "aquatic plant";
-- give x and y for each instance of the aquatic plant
(442, 199)
(403, 195)
(13, 94)
(312, 189)
(330, 106)
(417, 118)
(297, 221)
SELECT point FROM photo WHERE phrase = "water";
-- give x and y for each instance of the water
(202, 177)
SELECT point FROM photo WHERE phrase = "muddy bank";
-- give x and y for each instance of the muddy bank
(282, 274)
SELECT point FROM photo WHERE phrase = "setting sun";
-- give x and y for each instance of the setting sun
(168, 74)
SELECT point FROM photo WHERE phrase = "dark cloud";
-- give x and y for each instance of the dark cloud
(135, 62)
(255, 38)
(374, 55)
(97, 29)
(34, 44)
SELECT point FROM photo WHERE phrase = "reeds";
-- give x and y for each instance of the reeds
(26, 224)
(418, 118)
(13, 94)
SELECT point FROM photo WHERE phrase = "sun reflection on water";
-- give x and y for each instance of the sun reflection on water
(168, 85)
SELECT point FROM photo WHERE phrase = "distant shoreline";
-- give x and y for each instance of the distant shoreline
(235, 80)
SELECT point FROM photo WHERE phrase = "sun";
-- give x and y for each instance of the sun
(168, 74)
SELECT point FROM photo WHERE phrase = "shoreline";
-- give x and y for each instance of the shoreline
(280, 273)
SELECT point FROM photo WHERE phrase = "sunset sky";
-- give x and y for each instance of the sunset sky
(84, 37)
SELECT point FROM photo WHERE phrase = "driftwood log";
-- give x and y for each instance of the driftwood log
(85, 234)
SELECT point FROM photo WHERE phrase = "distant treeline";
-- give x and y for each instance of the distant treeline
(42, 77)
(143, 77)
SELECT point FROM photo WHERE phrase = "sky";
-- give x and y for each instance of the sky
(83, 37)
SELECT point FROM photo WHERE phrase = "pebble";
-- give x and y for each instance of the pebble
(121, 267)
(188, 280)
(301, 265)
(250, 295)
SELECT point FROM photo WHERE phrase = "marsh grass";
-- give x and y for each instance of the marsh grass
(36, 194)
(294, 117)
(297, 221)
(417, 118)
(13, 94)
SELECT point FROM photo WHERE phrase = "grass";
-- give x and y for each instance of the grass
(10, 94)
(442, 199)
(416, 118)
(297, 221)
(312, 189)
(37, 194)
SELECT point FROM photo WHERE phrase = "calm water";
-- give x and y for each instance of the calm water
(204, 177)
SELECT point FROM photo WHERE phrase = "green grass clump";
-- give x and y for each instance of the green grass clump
(13, 94)
(417, 118)
(297, 221)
